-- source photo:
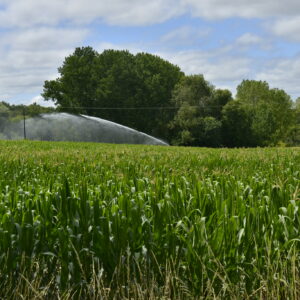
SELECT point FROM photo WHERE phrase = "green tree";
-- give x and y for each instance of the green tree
(236, 125)
(4, 115)
(117, 80)
(270, 111)
(77, 82)
(116, 87)
(212, 132)
(197, 121)
(251, 92)
(36, 109)
(293, 134)
(157, 79)
(218, 100)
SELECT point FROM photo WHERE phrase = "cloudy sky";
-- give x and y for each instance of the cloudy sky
(225, 40)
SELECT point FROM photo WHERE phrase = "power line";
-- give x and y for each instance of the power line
(117, 108)
(203, 106)
(129, 108)
(140, 108)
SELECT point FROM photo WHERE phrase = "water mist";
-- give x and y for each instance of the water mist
(81, 128)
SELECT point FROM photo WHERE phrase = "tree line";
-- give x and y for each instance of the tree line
(150, 94)
(10, 114)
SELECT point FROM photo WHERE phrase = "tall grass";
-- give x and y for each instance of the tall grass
(140, 222)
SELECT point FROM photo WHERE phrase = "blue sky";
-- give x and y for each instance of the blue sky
(226, 41)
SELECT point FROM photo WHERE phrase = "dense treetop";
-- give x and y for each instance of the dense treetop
(117, 80)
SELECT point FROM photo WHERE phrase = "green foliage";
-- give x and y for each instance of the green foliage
(197, 121)
(218, 100)
(210, 221)
(11, 115)
(293, 133)
(116, 79)
(270, 111)
(4, 113)
(212, 135)
(77, 80)
(109, 83)
(16, 112)
(252, 92)
(157, 79)
(236, 125)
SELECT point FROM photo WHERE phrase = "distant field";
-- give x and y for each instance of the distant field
(106, 221)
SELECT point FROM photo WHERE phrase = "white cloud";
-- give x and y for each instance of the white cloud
(218, 66)
(185, 35)
(223, 71)
(228, 71)
(22, 13)
(227, 66)
(137, 12)
(220, 9)
(28, 57)
(40, 101)
(249, 39)
(283, 74)
(287, 28)
(140, 12)
(23, 82)
(41, 33)
(284, 16)
(43, 38)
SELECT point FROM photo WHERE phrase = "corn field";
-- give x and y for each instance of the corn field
(99, 221)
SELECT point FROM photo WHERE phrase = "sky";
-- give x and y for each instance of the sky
(225, 40)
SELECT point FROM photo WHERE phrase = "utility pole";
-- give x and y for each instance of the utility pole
(24, 122)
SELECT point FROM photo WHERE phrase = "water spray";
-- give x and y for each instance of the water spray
(24, 122)
(79, 128)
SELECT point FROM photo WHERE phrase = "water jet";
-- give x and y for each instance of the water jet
(80, 128)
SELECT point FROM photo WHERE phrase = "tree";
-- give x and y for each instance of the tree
(4, 114)
(117, 83)
(293, 134)
(251, 92)
(116, 80)
(236, 125)
(12, 115)
(270, 111)
(197, 121)
(157, 79)
(218, 100)
(35, 109)
(77, 82)
(212, 132)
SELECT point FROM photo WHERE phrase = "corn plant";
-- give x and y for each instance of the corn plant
(121, 221)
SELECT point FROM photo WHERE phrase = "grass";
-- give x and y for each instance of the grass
(98, 221)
